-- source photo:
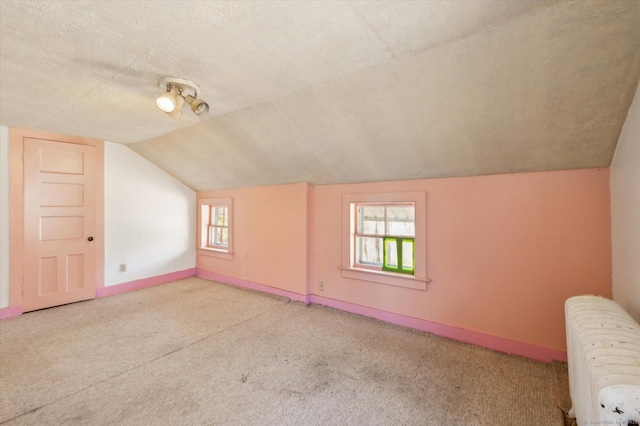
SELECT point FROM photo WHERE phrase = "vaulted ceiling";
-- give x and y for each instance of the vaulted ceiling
(329, 92)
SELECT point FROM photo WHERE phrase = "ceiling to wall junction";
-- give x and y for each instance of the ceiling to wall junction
(329, 92)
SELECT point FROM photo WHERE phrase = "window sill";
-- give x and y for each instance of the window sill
(399, 280)
(222, 254)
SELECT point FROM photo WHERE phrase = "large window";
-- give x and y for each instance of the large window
(384, 238)
(215, 223)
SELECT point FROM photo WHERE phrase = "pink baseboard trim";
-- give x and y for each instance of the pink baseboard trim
(214, 276)
(144, 283)
(496, 343)
(11, 311)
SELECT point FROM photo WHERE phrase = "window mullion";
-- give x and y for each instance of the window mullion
(399, 252)
(357, 234)
(386, 224)
(356, 246)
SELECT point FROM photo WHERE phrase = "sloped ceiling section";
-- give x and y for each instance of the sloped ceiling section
(330, 92)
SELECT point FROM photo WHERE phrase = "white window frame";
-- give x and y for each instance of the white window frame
(205, 206)
(351, 270)
(356, 234)
(211, 225)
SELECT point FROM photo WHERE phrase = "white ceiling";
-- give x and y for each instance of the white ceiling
(329, 92)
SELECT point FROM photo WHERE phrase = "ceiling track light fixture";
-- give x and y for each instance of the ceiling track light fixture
(177, 91)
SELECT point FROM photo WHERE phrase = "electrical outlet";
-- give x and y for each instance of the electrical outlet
(321, 285)
(123, 267)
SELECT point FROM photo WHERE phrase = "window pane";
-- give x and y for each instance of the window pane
(407, 255)
(369, 250)
(402, 229)
(211, 236)
(401, 221)
(224, 238)
(374, 227)
(221, 216)
(221, 237)
(371, 220)
(391, 253)
(404, 213)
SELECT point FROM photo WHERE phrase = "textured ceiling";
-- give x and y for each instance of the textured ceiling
(329, 92)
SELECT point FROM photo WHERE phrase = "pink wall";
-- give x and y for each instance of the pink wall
(503, 251)
(269, 237)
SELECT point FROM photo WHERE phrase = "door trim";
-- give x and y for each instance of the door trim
(16, 206)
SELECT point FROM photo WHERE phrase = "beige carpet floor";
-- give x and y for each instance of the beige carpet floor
(194, 352)
(562, 394)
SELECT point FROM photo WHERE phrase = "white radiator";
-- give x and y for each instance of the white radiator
(603, 351)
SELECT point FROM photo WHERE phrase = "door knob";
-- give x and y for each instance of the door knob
(90, 239)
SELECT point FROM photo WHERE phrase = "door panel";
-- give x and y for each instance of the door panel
(75, 272)
(61, 194)
(58, 161)
(61, 228)
(48, 276)
(60, 215)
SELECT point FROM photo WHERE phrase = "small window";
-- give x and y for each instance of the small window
(215, 236)
(384, 237)
(218, 227)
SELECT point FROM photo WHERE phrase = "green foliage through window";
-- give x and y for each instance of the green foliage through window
(398, 254)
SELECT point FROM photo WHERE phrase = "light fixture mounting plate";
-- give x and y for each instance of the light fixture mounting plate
(180, 84)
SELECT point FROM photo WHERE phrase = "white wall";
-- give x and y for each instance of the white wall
(150, 218)
(4, 217)
(625, 213)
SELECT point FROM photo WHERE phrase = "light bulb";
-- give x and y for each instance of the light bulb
(197, 105)
(201, 107)
(166, 101)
